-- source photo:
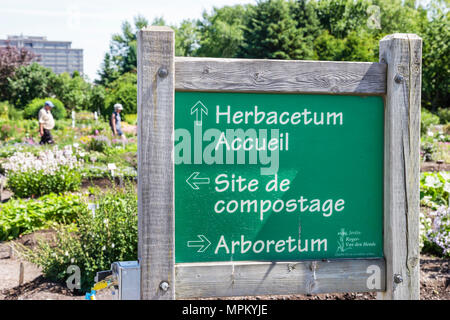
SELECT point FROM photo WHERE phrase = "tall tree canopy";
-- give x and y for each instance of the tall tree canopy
(340, 30)
(11, 58)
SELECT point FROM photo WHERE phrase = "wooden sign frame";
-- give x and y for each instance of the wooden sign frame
(397, 77)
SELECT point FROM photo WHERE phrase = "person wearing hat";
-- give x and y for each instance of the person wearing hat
(115, 120)
(46, 123)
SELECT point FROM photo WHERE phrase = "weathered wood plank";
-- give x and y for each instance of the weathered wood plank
(156, 67)
(264, 278)
(284, 76)
(402, 53)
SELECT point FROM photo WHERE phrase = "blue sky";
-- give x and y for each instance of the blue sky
(89, 24)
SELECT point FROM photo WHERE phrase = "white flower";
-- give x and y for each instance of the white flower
(447, 187)
(445, 175)
(432, 182)
(104, 248)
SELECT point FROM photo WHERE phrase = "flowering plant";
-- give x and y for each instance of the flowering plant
(99, 143)
(435, 231)
(52, 170)
(434, 188)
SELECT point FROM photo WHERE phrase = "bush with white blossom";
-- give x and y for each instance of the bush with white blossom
(52, 170)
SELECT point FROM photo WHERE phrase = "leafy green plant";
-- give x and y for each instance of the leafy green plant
(123, 91)
(11, 130)
(14, 114)
(131, 118)
(427, 119)
(32, 109)
(99, 143)
(434, 188)
(38, 183)
(18, 216)
(109, 235)
(4, 107)
(444, 115)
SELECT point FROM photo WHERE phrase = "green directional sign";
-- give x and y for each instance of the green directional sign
(277, 177)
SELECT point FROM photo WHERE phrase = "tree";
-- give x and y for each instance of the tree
(327, 47)
(109, 71)
(340, 17)
(11, 58)
(436, 62)
(305, 15)
(97, 98)
(74, 92)
(122, 55)
(123, 91)
(271, 32)
(30, 82)
(221, 32)
(186, 38)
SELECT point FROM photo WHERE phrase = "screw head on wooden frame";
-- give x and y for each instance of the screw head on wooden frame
(398, 78)
(163, 72)
(164, 285)
(398, 278)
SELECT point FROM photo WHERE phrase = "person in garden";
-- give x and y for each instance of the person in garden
(46, 123)
(116, 120)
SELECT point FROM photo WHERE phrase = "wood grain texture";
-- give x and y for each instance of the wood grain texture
(284, 76)
(402, 53)
(156, 47)
(265, 278)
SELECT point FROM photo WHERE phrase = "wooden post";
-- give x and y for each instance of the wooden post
(156, 47)
(403, 55)
(21, 272)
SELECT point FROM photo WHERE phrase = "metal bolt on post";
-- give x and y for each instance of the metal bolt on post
(164, 286)
(398, 278)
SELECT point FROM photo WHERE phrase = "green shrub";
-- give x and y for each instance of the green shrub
(32, 109)
(110, 235)
(434, 189)
(447, 129)
(14, 114)
(444, 115)
(427, 119)
(99, 143)
(10, 130)
(24, 216)
(38, 183)
(4, 108)
(131, 118)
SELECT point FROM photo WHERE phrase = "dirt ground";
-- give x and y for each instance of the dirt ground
(434, 284)
(434, 166)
